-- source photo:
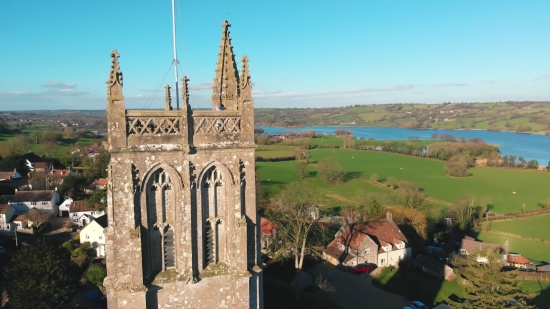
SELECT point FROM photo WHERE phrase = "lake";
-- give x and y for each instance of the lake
(528, 146)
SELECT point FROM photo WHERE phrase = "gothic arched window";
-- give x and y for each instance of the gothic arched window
(160, 233)
(213, 205)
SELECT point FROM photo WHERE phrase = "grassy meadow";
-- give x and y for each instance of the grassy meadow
(534, 227)
(534, 250)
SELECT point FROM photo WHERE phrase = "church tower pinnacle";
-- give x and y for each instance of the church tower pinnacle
(226, 83)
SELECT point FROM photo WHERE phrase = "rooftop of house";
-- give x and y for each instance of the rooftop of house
(267, 226)
(58, 173)
(78, 206)
(471, 245)
(517, 259)
(20, 218)
(28, 196)
(32, 157)
(40, 165)
(4, 208)
(98, 182)
(102, 221)
(335, 252)
(382, 232)
(6, 175)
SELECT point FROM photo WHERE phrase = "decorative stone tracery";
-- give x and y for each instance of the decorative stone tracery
(152, 125)
(211, 125)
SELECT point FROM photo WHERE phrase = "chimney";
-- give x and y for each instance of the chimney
(388, 216)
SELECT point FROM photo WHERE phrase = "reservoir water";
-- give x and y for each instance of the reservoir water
(528, 146)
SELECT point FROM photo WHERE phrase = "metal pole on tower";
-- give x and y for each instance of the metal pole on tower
(175, 55)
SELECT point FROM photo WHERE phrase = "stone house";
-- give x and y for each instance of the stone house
(379, 242)
(23, 201)
(55, 177)
(93, 233)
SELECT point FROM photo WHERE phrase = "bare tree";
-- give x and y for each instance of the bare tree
(38, 218)
(296, 216)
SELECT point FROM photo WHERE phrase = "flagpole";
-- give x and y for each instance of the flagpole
(175, 55)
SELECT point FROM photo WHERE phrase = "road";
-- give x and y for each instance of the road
(356, 291)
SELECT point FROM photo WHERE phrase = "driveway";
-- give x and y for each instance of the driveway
(356, 291)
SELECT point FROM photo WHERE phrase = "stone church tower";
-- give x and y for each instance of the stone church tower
(183, 228)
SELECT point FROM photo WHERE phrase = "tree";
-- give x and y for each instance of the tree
(461, 211)
(374, 177)
(17, 146)
(38, 218)
(97, 201)
(261, 195)
(295, 213)
(48, 148)
(40, 276)
(548, 167)
(487, 285)
(73, 183)
(351, 215)
(96, 273)
(330, 171)
(458, 165)
(370, 204)
(409, 196)
(412, 217)
(392, 182)
(50, 137)
(301, 170)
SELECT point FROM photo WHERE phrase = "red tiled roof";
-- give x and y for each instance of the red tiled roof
(78, 206)
(6, 175)
(267, 226)
(4, 208)
(337, 253)
(381, 231)
(517, 259)
(102, 182)
(40, 165)
(23, 217)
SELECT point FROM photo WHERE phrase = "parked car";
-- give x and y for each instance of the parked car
(360, 269)
(418, 305)
(2, 250)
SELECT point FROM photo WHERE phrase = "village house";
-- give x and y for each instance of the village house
(379, 242)
(98, 184)
(21, 223)
(6, 214)
(55, 177)
(518, 261)
(93, 233)
(269, 231)
(91, 151)
(469, 246)
(23, 201)
(80, 214)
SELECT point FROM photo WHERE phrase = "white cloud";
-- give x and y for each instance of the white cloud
(449, 85)
(57, 85)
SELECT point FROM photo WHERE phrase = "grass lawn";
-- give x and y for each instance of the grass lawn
(417, 285)
(534, 250)
(272, 151)
(535, 227)
(430, 175)
(534, 286)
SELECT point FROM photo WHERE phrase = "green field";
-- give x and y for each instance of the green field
(534, 227)
(534, 250)
(430, 175)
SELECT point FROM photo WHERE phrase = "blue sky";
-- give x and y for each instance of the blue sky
(55, 54)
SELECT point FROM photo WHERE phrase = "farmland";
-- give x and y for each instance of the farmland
(533, 227)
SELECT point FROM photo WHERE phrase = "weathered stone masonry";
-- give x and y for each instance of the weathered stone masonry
(183, 229)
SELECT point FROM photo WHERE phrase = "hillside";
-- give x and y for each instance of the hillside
(504, 116)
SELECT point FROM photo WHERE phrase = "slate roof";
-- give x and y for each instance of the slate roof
(102, 221)
(28, 196)
(78, 206)
(471, 246)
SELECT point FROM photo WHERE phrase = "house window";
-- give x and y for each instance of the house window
(100, 236)
(366, 261)
(44, 203)
(33, 203)
(87, 236)
(463, 251)
(353, 263)
(367, 251)
(382, 261)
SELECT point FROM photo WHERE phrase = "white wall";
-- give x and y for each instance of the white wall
(392, 257)
(93, 233)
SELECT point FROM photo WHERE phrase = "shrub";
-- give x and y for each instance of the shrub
(374, 177)
(392, 182)
(96, 273)
(330, 171)
(458, 165)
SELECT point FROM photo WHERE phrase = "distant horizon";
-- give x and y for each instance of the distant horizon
(256, 107)
(315, 54)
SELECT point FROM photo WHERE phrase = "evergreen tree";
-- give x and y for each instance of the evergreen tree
(41, 276)
(487, 285)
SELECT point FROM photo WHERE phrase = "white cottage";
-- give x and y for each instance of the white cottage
(23, 201)
(80, 214)
(93, 233)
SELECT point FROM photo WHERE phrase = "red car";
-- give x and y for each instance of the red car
(359, 269)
